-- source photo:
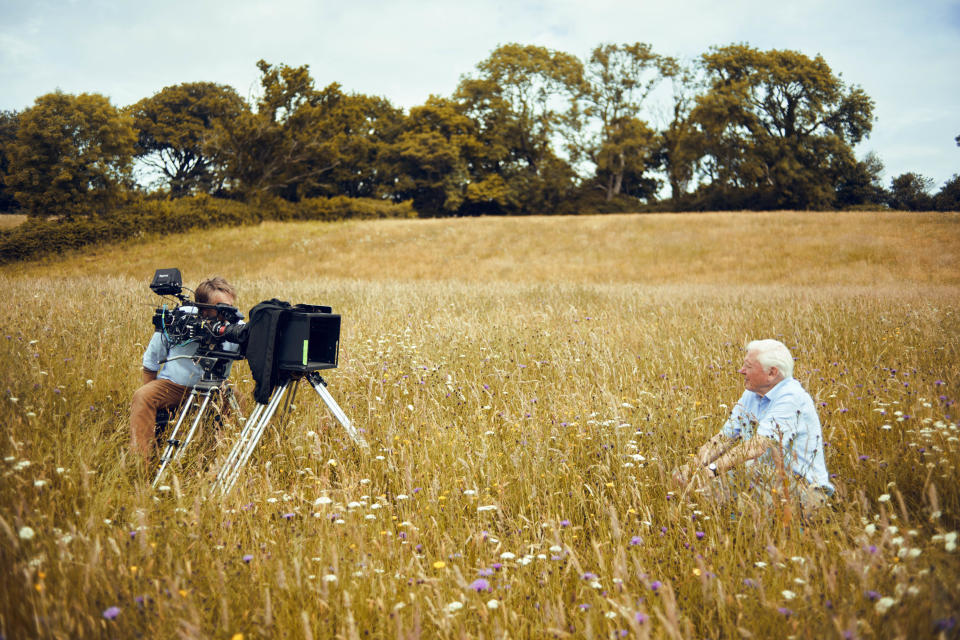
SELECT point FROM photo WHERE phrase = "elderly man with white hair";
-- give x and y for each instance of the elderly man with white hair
(776, 423)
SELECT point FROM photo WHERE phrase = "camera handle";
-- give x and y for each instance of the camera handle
(258, 421)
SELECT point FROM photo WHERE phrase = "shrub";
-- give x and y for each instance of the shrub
(39, 237)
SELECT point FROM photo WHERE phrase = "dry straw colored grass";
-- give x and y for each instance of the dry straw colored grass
(10, 220)
(526, 384)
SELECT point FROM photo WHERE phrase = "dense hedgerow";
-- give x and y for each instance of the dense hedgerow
(36, 237)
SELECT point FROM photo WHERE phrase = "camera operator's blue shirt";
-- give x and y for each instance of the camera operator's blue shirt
(786, 415)
(183, 371)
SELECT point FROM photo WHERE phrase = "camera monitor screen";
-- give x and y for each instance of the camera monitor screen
(309, 341)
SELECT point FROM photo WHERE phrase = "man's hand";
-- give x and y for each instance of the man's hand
(692, 476)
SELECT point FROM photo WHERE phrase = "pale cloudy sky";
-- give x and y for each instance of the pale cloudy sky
(905, 55)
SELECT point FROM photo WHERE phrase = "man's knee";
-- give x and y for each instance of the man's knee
(144, 398)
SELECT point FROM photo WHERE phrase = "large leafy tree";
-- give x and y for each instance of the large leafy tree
(431, 158)
(72, 155)
(948, 198)
(911, 191)
(305, 142)
(267, 152)
(353, 130)
(680, 140)
(173, 128)
(519, 99)
(610, 133)
(862, 183)
(8, 133)
(777, 127)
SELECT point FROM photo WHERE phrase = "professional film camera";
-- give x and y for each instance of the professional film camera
(283, 345)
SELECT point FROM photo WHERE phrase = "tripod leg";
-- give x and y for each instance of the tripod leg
(193, 427)
(176, 446)
(320, 386)
(257, 432)
(172, 442)
(248, 428)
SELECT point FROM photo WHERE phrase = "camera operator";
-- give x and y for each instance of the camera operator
(167, 384)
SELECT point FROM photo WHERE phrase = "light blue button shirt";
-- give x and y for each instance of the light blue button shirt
(787, 415)
(183, 371)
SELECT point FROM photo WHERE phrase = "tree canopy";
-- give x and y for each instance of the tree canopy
(8, 133)
(71, 155)
(528, 130)
(518, 100)
(777, 127)
(174, 127)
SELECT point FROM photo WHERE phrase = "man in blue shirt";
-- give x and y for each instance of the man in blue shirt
(168, 381)
(775, 423)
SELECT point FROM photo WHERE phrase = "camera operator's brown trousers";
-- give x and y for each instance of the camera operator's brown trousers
(153, 395)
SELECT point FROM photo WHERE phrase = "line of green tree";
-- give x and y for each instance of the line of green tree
(529, 130)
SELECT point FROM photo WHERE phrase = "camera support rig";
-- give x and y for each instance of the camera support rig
(283, 345)
(256, 425)
(211, 382)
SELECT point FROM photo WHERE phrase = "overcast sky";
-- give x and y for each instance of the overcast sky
(905, 55)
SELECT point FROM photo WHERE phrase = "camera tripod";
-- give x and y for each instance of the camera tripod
(197, 403)
(258, 421)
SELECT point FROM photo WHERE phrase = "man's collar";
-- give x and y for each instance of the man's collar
(777, 389)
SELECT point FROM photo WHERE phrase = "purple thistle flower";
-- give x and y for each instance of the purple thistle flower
(479, 585)
(584, 607)
(589, 576)
(873, 595)
(864, 457)
(139, 600)
(945, 624)
(111, 612)
(287, 516)
(247, 558)
(750, 582)
(635, 540)
(872, 548)
(641, 617)
(655, 585)
(785, 611)
(497, 565)
(700, 535)
(133, 534)
(663, 530)
(486, 572)
(564, 523)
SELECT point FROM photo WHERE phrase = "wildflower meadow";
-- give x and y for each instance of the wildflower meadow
(526, 386)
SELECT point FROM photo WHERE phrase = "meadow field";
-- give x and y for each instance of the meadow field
(526, 386)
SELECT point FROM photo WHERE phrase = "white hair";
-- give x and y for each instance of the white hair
(772, 353)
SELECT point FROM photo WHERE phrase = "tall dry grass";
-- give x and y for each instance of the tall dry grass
(526, 384)
(11, 220)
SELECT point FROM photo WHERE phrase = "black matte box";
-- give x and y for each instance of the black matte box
(309, 341)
